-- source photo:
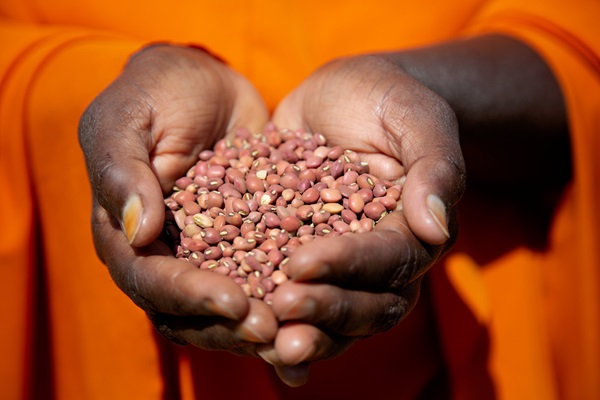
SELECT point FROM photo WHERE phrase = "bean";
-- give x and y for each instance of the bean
(366, 194)
(203, 221)
(290, 223)
(251, 201)
(310, 195)
(320, 217)
(333, 208)
(229, 232)
(388, 202)
(211, 236)
(271, 220)
(374, 210)
(240, 243)
(220, 221)
(356, 202)
(183, 196)
(330, 195)
(213, 253)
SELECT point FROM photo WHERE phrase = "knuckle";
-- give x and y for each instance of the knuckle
(392, 314)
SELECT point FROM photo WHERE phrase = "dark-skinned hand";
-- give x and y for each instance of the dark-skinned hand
(346, 288)
(138, 136)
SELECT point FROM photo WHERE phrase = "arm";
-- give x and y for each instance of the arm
(512, 118)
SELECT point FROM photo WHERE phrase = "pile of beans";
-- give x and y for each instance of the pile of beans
(246, 205)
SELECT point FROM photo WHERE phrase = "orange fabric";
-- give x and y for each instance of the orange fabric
(71, 332)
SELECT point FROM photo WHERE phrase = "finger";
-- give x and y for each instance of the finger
(159, 283)
(250, 111)
(289, 113)
(119, 167)
(388, 257)
(293, 375)
(298, 343)
(432, 188)
(217, 333)
(425, 138)
(344, 312)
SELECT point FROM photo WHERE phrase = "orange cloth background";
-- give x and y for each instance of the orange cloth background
(69, 331)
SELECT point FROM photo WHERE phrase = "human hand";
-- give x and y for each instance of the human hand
(138, 136)
(350, 287)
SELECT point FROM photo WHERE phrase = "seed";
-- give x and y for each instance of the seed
(229, 232)
(388, 202)
(213, 253)
(183, 196)
(310, 195)
(330, 195)
(240, 243)
(262, 174)
(290, 223)
(211, 236)
(374, 210)
(320, 217)
(278, 277)
(220, 221)
(253, 199)
(333, 208)
(214, 199)
(271, 220)
(203, 221)
(191, 207)
(356, 202)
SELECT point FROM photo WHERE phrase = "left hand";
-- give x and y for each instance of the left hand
(347, 288)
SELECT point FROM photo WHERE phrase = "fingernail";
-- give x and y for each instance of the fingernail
(302, 309)
(310, 272)
(220, 309)
(132, 215)
(249, 334)
(268, 353)
(294, 375)
(438, 212)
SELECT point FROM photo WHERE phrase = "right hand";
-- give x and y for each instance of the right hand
(138, 136)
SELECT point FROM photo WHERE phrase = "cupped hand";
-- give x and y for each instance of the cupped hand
(350, 287)
(138, 136)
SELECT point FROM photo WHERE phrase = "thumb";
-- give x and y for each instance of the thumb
(432, 187)
(128, 189)
(122, 180)
(138, 202)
